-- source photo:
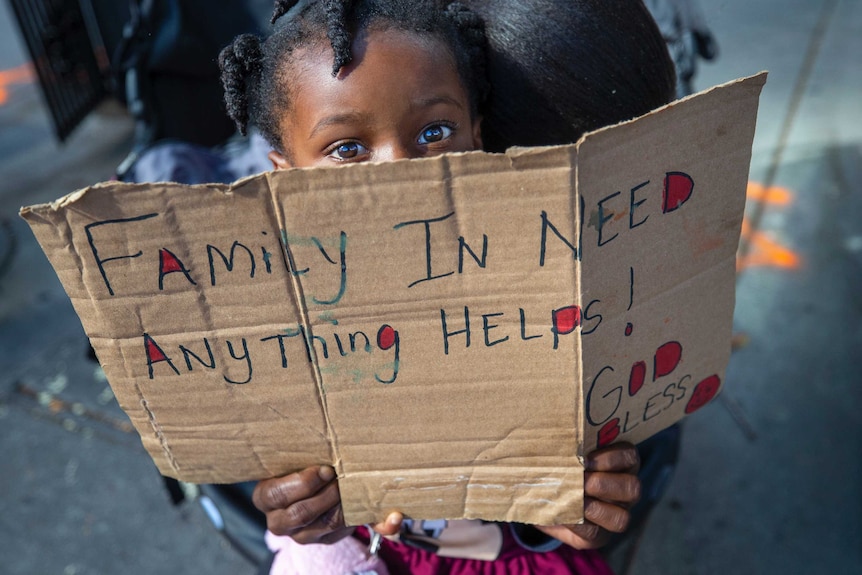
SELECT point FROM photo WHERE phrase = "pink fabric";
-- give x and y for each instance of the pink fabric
(346, 557)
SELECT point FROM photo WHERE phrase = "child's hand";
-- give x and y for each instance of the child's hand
(306, 506)
(611, 487)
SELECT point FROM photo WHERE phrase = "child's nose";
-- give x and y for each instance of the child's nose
(395, 151)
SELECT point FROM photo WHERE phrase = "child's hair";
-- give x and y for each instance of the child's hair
(253, 69)
(561, 68)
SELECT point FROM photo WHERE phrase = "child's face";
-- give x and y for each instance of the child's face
(400, 97)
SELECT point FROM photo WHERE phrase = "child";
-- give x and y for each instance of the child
(378, 80)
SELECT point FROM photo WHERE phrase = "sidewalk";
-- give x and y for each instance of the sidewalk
(79, 494)
(770, 473)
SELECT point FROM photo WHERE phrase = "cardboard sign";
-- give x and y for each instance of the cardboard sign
(452, 334)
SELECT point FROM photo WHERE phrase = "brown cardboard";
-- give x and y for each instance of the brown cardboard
(298, 317)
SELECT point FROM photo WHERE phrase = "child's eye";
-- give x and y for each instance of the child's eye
(435, 133)
(347, 151)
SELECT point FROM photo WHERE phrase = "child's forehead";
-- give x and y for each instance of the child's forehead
(424, 48)
(424, 45)
(390, 70)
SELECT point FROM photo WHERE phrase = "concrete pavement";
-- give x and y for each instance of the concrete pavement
(770, 473)
(78, 494)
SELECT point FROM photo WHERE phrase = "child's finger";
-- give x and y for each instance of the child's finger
(621, 488)
(326, 530)
(391, 526)
(281, 492)
(581, 536)
(318, 513)
(606, 515)
(620, 458)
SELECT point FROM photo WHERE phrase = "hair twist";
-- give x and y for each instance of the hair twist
(337, 32)
(240, 63)
(471, 29)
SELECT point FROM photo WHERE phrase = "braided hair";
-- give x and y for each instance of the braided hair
(252, 68)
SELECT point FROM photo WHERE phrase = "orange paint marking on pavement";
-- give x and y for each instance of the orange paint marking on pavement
(22, 74)
(773, 195)
(762, 250)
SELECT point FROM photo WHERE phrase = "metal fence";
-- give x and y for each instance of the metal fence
(70, 65)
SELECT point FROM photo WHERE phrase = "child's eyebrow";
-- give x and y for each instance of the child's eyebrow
(434, 100)
(336, 119)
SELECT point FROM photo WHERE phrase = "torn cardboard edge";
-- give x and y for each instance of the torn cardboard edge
(451, 333)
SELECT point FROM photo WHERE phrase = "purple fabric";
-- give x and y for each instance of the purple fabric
(174, 161)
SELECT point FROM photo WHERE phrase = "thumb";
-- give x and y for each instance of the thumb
(391, 526)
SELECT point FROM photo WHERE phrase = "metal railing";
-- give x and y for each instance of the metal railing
(59, 35)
